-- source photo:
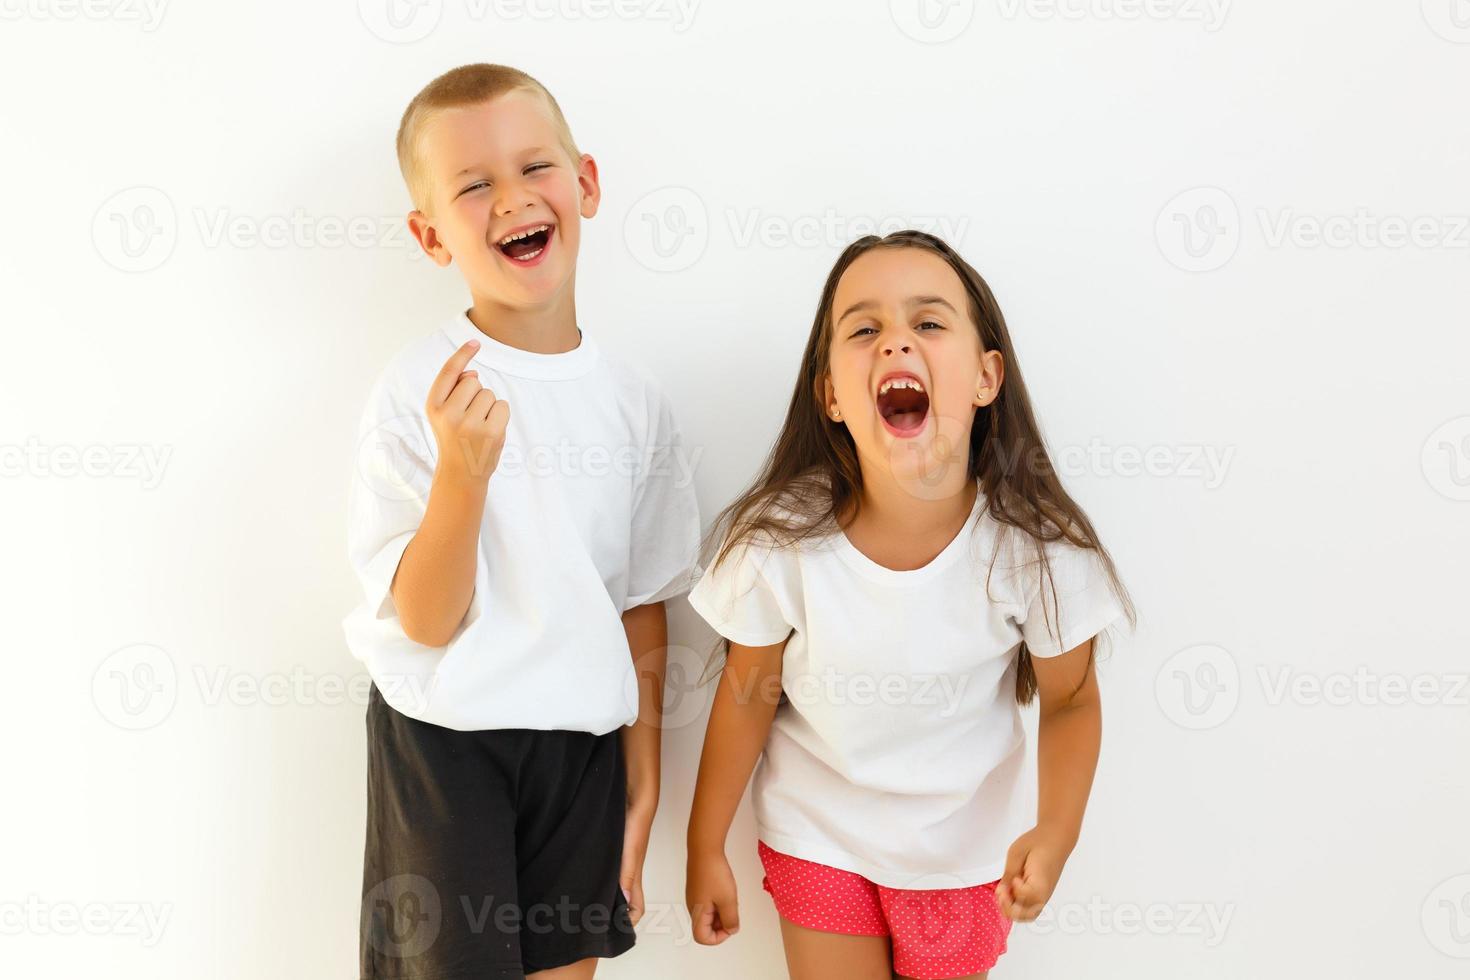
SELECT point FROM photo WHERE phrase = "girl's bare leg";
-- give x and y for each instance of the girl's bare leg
(815, 955)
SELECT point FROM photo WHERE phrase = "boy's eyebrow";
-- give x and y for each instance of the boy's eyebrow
(530, 152)
(869, 304)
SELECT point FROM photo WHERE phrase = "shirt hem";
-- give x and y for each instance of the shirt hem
(1090, 627)
(982, 874)
(743, 637)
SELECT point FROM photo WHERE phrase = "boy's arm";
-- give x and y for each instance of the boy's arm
(435, 579)
(740, 721)
(436, 576)
(648, 631)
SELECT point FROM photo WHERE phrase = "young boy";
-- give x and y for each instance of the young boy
(516, 525)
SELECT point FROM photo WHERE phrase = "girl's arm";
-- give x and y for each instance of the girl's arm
(745, 705)
(1069, 737)
(1068, 740)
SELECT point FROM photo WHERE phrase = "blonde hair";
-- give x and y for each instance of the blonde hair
(467, 85)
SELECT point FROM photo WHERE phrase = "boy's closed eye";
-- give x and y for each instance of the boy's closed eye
(480, 184)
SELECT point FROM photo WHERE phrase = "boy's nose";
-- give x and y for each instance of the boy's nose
(510, 200)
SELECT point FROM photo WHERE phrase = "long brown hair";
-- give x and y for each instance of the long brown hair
(812, 474)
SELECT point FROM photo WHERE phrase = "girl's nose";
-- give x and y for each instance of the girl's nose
(892, 347)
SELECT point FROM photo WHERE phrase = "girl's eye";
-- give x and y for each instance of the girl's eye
(931, 323)
(862, 330)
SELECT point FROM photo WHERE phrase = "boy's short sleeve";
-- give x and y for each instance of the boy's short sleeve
(389, 493)
(1085, 602)
(738, 598)
(664, 544)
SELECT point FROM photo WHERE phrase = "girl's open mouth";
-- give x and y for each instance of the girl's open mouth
(527, 245)
(903, 405)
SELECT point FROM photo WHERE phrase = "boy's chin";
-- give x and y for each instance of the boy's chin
(523, 287)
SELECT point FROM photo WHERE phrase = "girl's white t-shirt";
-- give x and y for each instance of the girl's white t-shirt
(897, 752)
(590, 512)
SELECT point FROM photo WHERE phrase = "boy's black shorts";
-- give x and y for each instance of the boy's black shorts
(490, 854)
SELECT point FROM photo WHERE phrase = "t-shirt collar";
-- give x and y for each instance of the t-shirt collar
(867, 567)
(522, 363)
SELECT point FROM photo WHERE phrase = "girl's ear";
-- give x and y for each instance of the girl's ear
(988, 378)
(828, 398)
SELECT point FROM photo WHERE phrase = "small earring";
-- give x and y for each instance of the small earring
(836, 414)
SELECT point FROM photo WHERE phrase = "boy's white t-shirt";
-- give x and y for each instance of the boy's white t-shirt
(589, 513)
(898, 752)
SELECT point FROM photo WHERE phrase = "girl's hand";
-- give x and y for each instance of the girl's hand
(1033, 866)
(710, 894)
(636, 829)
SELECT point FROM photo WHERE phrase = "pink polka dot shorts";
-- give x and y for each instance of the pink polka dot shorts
(935, 933)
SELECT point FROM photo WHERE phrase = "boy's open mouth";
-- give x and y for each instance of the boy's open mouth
(903, 404)
(525, 245)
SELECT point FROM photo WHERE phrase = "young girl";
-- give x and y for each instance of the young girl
(904, 573)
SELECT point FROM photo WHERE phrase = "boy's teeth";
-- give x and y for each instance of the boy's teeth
(523, 234)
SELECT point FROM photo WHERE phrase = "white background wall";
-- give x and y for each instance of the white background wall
(1231, 233)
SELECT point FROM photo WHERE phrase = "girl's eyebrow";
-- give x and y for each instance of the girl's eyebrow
(869, 304)
(866, 304)
(932, 301)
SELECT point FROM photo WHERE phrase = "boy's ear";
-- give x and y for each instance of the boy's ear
(428, 238)
(588, 184)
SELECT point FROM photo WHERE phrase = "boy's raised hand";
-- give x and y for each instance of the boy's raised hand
(467, 419)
